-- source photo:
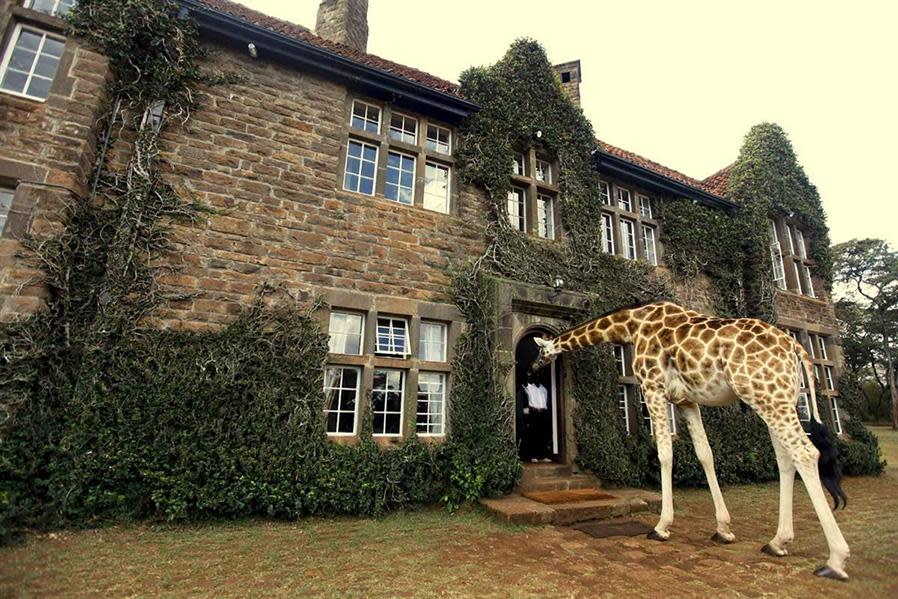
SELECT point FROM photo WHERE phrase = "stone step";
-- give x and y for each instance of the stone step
(536, 471)
(559, 483)
(516, 509)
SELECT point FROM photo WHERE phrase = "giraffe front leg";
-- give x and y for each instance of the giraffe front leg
(657, 406)
(693, 418)
(784, 531)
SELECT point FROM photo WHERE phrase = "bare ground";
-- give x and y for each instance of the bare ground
(431, 553)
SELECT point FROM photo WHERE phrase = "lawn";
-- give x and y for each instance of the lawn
(431, 553)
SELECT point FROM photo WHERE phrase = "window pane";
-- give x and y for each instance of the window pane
(604, 193)
(648, 244)
(341, 399)
(431, 403)
(545, 214)
(31, 64)
(391, 336)
(400, 178)
(628, 239)
(387, 401)
(438, 139)
(345, 333)
(432, 343)
(518, 165)
(403, 128)
(645, 206)
(6, 197)
(39, 87)
(516, 214)
(623, 200)
(436, 187)
(607, 234)
(361, 167)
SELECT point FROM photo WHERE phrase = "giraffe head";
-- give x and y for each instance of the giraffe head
(548, 349)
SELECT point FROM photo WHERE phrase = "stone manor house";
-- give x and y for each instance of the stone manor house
(334, 173)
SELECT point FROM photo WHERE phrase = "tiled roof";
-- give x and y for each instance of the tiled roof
(659, 168)
(303, 34)
(718, 182)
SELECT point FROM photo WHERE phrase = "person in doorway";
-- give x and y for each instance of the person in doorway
(538, 422)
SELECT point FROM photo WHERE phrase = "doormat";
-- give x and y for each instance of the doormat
(571, 496)
(601, 529)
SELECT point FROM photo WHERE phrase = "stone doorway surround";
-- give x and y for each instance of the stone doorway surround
(523, 308)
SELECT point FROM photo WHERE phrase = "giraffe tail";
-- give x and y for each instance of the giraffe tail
(822, 438)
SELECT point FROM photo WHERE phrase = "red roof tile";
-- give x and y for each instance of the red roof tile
(658, 168)
(303, 34)
(718, 182)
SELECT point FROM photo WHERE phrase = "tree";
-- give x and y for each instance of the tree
(870, 268)
(864, 361)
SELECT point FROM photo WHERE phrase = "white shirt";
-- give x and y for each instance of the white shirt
(537, 396)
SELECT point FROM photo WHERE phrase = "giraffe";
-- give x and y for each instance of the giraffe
(691, 360)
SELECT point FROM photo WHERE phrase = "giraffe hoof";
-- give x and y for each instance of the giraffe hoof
(773, 551)
(655, 536)
(719, 538)
(827, 572)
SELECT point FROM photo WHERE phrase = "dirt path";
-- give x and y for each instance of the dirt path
(429, 553)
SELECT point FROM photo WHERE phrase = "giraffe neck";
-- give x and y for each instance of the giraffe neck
(614, 328)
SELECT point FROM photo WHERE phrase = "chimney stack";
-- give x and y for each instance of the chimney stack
(345, 22)
(570, 79)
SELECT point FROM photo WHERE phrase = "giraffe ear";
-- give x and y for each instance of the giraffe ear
(541, 341)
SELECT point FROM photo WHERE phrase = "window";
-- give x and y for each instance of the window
(518, 165)
(808, 282)
(400, 185)
(645, 206)
(803, 407)
(648, 245)
(30, 63)
(789, 239)
(619, 359)
(387, 399)
(798, 280)
(607, 234)
(821, 345)
(438, 139)
(361, 167)
(837, 418)
(604, 193)
(623, 400)
(431, 407)
(432, 342)
(516, 210)
(365, 117)
(799, 241)
(341, 391)
(828, 377)
(152, 117)
(776, 256)
(628, 238)
(436, 187)
(403, 128)
(392, 337)
(545, 216)
(544, 171)
(623, 199)
(56, 8)
(6, 196)
(345, 332)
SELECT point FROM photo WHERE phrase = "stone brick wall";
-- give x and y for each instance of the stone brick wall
(47, 150)
(266, 154)
(344, 21)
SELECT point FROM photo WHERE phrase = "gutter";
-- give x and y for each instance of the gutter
(303, 55)
(626, 169)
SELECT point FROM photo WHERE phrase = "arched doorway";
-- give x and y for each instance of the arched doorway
(537, 423)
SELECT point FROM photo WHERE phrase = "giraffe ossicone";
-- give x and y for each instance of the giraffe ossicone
(690, 359)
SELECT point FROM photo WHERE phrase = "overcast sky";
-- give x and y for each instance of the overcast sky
(681, 82)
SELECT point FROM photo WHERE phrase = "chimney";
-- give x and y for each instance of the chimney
(571, 77)
(345, 22)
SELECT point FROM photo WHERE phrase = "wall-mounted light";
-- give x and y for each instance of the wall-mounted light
(557, 286)
(253, 51)
(538, 134)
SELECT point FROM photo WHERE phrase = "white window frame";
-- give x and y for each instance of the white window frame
(399, 187)
(544, 171)
(607, 233)
(620, 358)
(444, 341)
(803, 406)
(390, 349)
(361, 161)
(429, 195)
(401, 132)
(808, 281)
(837, 417)
(403, 381)
(366, 119)
(776, 257)
(152, 116)
(519, 165)
(798, 281)
(605, 193)
(434, 144)
(645, 205)
(517, 197)
(355, 411)
(623, 204)
(623, 398)
(628, 238)
(821, 345)
(428, 432)
(9, 195)
(651, 256)
(332, 335)
(53, 11)
(672, 418)
(790, 240)
(799, 237)
(829, 380)
(11, 47)
(545, 216)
